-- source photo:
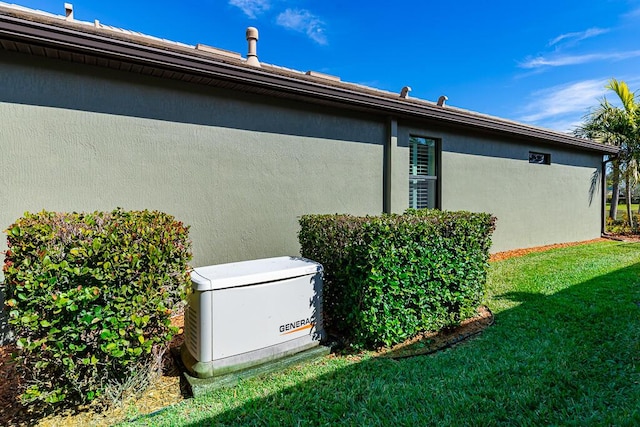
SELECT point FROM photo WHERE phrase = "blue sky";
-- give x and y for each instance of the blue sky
(543, 62)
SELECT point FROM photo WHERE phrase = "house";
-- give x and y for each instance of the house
(95, 117)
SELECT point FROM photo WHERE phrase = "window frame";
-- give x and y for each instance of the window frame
(539, 158)
(425, 178)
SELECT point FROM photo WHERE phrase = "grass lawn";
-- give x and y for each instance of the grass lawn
(564, 350)
(622, 208)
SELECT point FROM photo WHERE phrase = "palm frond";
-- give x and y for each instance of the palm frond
(627, 97)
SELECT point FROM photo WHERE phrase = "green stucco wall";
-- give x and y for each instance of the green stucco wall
(535, 204)
(239, 169)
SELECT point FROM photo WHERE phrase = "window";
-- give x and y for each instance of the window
(422, 173)
(539, 158)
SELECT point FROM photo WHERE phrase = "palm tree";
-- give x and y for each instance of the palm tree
(617, 126)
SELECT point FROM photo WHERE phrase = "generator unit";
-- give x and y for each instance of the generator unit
(248, 313)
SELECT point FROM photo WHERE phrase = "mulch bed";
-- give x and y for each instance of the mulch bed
(9, 409)
(634, 238)
(499, 256)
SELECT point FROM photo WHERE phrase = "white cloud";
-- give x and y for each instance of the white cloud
(632, 14)
(251, 8)
(562, 107)
(305, 22)
(562, 60)
(579, 35)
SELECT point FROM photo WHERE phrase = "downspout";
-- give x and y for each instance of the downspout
(603, 202)
(390, 145)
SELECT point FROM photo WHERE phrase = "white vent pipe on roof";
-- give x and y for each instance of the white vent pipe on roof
(252, 54)
(68, 11)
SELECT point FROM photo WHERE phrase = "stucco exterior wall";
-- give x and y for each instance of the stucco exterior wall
(238, 169)
(535, 204)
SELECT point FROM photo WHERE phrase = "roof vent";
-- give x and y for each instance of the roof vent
(68, 11)
(404, 93)
(442, 100)
(323, 76)
(252, 54)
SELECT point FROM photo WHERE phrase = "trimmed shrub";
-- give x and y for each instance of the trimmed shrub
(90, 297)
(389, 277)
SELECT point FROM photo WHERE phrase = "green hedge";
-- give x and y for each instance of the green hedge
(390, 277)
(90, 298)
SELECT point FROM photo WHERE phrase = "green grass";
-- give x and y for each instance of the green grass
(622, 208)
(564, 350)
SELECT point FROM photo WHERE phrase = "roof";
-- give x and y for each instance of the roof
(48, 35)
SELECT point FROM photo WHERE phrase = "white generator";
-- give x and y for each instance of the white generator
(247, 313)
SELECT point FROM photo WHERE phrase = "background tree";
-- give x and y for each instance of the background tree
(617, 126)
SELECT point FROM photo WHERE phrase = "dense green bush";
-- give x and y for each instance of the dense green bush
(390, 277)
(89, 298)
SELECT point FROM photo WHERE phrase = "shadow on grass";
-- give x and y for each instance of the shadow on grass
(570, 358)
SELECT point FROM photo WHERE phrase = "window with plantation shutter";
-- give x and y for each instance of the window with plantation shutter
(422, 173)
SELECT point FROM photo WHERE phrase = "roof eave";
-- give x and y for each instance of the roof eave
(57, 36)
